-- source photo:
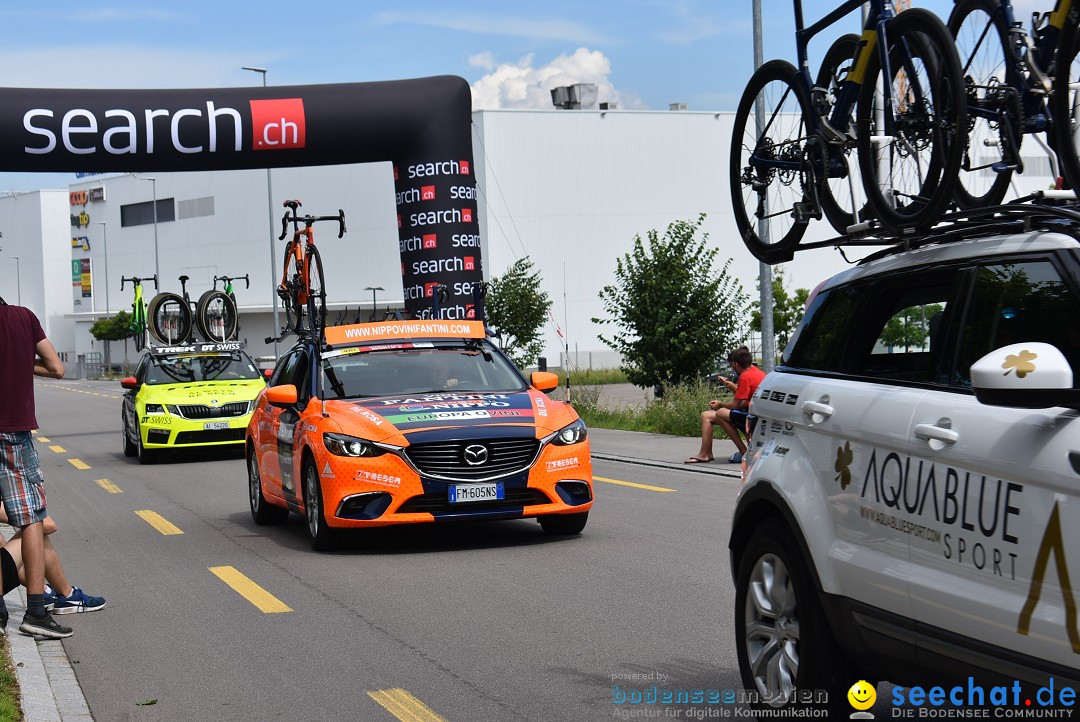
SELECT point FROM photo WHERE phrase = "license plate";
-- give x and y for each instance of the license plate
(215, 425)
(476, 492)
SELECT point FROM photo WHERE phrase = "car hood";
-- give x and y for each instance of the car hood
(391, 419)
(202, 392)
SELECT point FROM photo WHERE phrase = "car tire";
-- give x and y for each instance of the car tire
(564, 524)
(323, 538)
(129, 448)
(263, 512)
(146, 456)
(783, 640)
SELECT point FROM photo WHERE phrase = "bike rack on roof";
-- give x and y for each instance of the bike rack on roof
(1049, 210)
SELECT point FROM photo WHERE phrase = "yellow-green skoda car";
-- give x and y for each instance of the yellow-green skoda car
(189, 396)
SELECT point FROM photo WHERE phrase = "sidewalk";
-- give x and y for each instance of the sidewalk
(51, 693)
(47, 684)
(660, 450)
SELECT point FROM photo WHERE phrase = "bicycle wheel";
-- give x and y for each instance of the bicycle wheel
(290, 291)
(216, 316)
(991, 80)
(316, 296)
(169, 319)
(768, 189)
(836, 176)
(909, 156)
(1066, 100)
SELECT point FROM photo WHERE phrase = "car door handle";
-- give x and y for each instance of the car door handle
(938, 436)
(817, 410)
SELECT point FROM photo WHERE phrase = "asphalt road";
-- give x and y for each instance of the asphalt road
(480, 622)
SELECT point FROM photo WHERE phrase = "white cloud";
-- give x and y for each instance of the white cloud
(520, 85)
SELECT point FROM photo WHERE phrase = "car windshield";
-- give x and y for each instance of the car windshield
(200, 367)
(464, 368)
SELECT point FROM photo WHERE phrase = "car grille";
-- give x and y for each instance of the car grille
(446, 459)
(198, 411)
(209, 437)
(439, 502)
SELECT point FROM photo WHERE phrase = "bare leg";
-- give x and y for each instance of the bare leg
(705, 452)
(723, 418)
(33, 549)
(54, 571)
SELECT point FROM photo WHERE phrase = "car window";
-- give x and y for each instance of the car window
(1016, 302)
(200, 367)
(282, 370)
(818, 341)
(398, 372)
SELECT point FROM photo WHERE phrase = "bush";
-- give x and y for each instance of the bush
(678, 413)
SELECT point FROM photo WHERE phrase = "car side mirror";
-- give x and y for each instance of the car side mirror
(1025, 376)
(281, 396)
(130, 383)
(544, 380)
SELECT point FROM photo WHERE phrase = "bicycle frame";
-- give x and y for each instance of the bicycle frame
(1036, 110)
(874, 39)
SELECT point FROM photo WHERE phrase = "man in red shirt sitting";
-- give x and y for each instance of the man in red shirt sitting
(731, 416)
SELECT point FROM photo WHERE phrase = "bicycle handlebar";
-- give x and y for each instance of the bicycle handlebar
(137, 280)
(230, 279)
(308, 221)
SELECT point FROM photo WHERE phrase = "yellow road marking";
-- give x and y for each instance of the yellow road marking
(109, 486)
(58, 449)
(79, 463)
(42, 439)
(630, 483)
(159, 522)
(249, 590)
(404, 706)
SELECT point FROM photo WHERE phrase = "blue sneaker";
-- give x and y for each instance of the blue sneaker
(77, 601)
(50, 598)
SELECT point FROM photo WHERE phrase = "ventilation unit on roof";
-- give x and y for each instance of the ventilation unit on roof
(574, 97)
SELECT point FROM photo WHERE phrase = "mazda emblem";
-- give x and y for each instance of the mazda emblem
(476, 455)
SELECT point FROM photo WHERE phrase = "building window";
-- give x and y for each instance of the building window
(195, 207)
(141, 214)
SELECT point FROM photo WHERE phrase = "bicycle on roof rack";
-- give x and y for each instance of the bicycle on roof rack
(302, 288)
(899, 105)
(1017, 84)
(138, 327)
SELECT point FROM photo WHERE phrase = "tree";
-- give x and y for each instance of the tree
(674, 313)
(116, 328)
(517, 308)
(910, 327)
(787, 309)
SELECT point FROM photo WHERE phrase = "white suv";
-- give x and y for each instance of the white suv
(911, 505)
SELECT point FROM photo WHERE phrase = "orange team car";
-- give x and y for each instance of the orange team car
(405, 422)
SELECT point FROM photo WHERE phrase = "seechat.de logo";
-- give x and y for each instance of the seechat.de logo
(278, 124)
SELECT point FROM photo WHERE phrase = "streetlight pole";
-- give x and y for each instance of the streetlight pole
(374, 308)
(18, 281)
(270, 215)
(105, 247)
(157, 269)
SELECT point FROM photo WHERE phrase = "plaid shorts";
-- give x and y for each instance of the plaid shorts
(20, 479)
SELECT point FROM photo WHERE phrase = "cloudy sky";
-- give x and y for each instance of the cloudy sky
(642, 54)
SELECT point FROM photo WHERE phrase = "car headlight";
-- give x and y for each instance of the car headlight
(575, 433)
(342, 445)
(155, 409)
(173, 409)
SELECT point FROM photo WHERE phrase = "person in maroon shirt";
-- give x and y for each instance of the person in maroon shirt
(25, 352)
(732, 415)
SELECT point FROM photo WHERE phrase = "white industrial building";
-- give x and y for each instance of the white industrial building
(568, 189)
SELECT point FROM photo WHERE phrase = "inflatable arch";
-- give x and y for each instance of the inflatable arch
(423, 126)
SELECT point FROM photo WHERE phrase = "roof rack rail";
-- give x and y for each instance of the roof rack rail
(1045, 209)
